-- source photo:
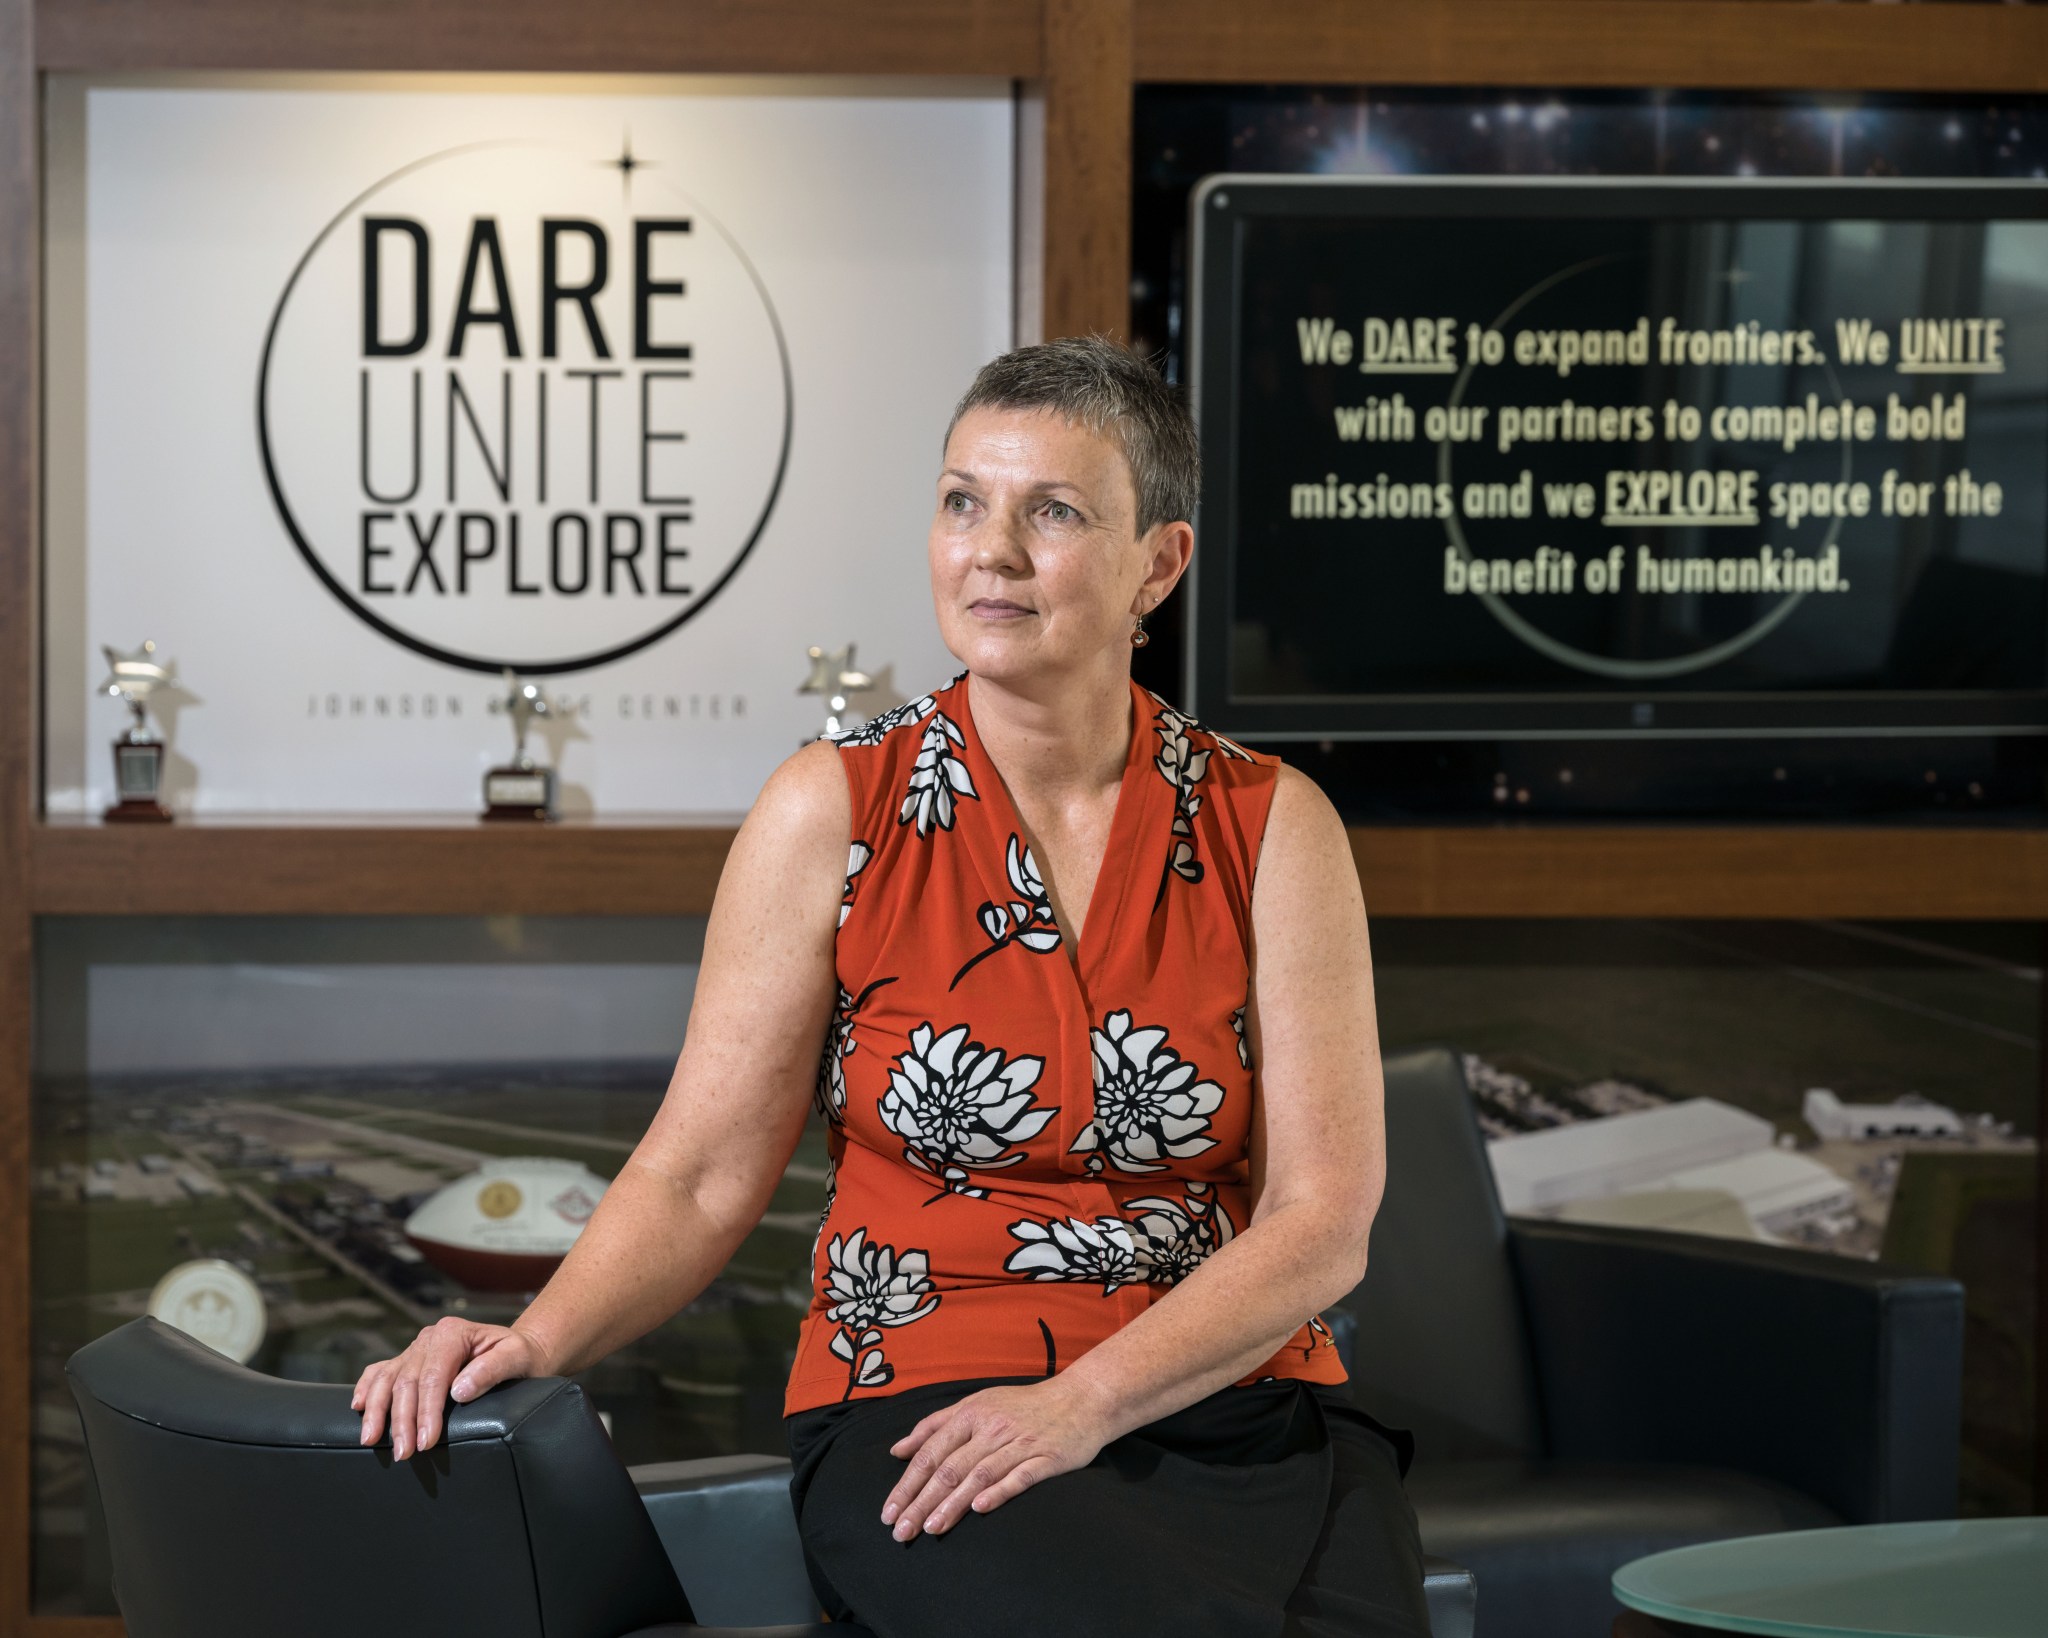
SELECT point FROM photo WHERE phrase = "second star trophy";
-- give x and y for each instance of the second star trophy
(138, 754)
(522, 788)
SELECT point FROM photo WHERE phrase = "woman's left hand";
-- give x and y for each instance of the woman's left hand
(980, 1451)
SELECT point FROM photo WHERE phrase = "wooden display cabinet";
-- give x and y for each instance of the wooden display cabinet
(1077, 62)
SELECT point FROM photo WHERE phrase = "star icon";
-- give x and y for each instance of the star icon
(626, 164)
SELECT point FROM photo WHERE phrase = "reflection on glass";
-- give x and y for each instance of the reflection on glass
(1862, 1089)
(1721, 1036)
(367, 1198)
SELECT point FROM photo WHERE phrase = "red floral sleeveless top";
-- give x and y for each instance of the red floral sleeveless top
(1027, 1150)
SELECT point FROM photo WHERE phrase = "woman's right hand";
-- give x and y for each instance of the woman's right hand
(452, 1356)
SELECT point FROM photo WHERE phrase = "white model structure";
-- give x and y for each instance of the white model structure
(1691, 1211)
(1538, 1170)
(1776, 1188)
(508, 1224)
(1908, 1116)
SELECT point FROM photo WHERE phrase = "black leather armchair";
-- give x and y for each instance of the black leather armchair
(1583, 1394)
(241, 1506)
(238, 1504)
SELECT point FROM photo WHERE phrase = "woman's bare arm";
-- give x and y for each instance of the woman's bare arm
(711, 1159)
(1318, 1139)
(1318, 1168)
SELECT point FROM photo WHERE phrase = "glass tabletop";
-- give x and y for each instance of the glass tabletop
(1941, 1578)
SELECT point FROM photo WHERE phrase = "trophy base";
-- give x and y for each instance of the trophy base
(138, 770)
(519, 795)
(137, 810)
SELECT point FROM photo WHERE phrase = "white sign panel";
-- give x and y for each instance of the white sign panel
(387, 389)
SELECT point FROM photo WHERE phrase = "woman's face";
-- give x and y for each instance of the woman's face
(1036, 563)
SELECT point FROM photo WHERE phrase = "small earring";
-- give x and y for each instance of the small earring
(1139, 636)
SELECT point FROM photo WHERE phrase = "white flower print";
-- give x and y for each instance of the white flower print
(1148, 1105)
(825, 1211)
(1024, 877)
(872, 731)
(1181, 763)
(1228, 746)
(1182, 767)
(1076, 1248)
(867, 1287)
(938, 775)
(958, 1104)
(829, 1098)
(935, 777)
(1160, 1245)
(1026, 920)
(1169, 1237)
(1244, 1046)
(857, 857)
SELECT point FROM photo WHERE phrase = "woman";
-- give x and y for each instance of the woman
(1105, 1122)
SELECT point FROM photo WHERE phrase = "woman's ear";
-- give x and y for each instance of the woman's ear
(1169, 547)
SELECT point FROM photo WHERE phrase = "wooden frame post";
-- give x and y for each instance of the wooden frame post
(1076, 133)
(20, 687)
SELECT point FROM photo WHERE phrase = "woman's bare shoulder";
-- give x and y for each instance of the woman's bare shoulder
(1303, 821)
(789, 858)
(1305, 872)
(805, 802)
(814, 772)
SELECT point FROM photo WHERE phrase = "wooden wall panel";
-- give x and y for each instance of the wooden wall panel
(1741, 44)
(999, 37)
(459, 868)
(1600, 870)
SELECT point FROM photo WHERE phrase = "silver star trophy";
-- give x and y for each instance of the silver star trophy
(833, 676)
(138, 754)
(521, 788)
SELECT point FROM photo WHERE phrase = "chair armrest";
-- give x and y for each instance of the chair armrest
(730, 1532)
(1451, 1596)
(727, 1525)
(1838, 1377)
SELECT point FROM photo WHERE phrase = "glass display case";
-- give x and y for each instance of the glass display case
(352, 1112)
(347, 1110)
(1863, 1089)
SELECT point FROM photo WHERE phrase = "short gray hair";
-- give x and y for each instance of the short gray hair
(1104, 386)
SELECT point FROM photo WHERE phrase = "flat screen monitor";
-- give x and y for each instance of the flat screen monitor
(1563, 458)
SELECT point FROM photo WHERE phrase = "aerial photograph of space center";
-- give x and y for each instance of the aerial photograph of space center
(1852, 1087)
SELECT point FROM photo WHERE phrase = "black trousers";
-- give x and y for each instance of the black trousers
(1274, 1510)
